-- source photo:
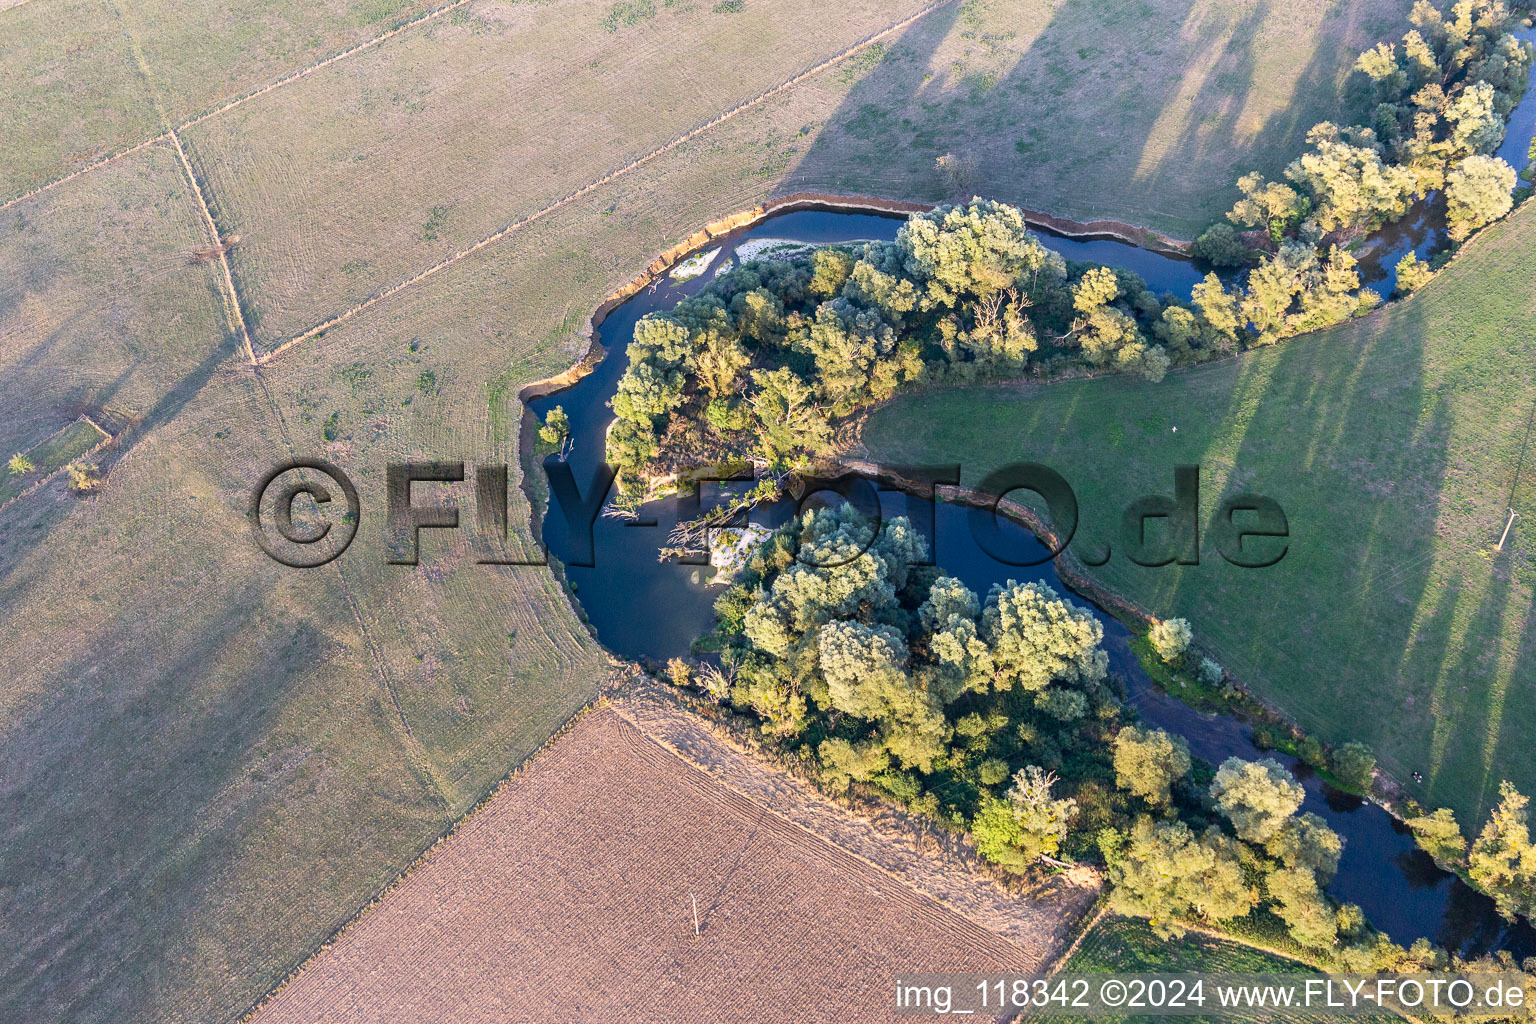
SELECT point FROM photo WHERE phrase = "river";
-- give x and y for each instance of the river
(643, 608)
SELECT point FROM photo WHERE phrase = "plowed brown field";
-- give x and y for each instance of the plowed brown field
(568, 897)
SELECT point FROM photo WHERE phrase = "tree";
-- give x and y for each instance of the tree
(1220, 247)
(1270, 205)
(865, 670)
(992, 771)
(556, 427)
(1149, 761)
(793, 427)
(837, 569)
(647, 392)
(1062, 704)
(1503, 861)
(1306, 841)
(1355, 766)
(1300, 903)
(1439, 836)
(1256, 797)
(1029, 824)
(1477, 127)
(719, 364)
(842, 763)
(1412, 273)
(948, 617)
(1171, 638)
(1272, 287)
(1165, 874)
(1221, 321)
(82, 477)
(1037, 638)
(847, 342)
(958, 171)
(830, 268)
(1351, 185)
(973, 250)
(1477, 192)
(20, 464)
(1381, 66)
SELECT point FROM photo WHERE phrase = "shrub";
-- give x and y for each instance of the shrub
(82, 477)
(20, 464)
(679, 672)
(1221, 247)
(1171, 639)
(1354, 765)
(1412, 273)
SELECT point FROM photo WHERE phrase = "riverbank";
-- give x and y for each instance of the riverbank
(651, 611)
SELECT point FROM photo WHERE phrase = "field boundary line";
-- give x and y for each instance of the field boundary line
(72, 175)
(231, 104)
(327, 62)
(106, 439)
(233, 315)
(627, 706)
(1086, 925)
(422, 857)
(612, 176)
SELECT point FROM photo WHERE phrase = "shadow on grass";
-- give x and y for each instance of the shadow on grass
(1105, 105)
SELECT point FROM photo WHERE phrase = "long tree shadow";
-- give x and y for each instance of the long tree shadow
(1134, 111)
(30, 521)
(1349, 430)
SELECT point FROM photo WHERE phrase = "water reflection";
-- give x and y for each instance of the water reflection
(645, 609)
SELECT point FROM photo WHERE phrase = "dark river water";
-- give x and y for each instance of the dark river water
(643, 608)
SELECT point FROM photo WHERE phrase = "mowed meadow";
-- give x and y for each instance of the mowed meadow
(209, 761)
(1396, 446)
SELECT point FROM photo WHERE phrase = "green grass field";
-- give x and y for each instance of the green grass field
(52, 454)
(83, 79)
(1123, 945)
(209, 761)
(1392, 443)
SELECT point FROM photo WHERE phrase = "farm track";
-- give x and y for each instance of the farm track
(592, 186)
(231, 297)
(229, 104)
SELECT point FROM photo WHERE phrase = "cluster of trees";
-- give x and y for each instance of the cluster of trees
(998, 716)
(1437, 105)
(762, 363)
(1259, 848)
(1501, 861)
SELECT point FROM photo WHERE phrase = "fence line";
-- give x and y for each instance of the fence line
(235, 316)
(571, 197)
(237, 101)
